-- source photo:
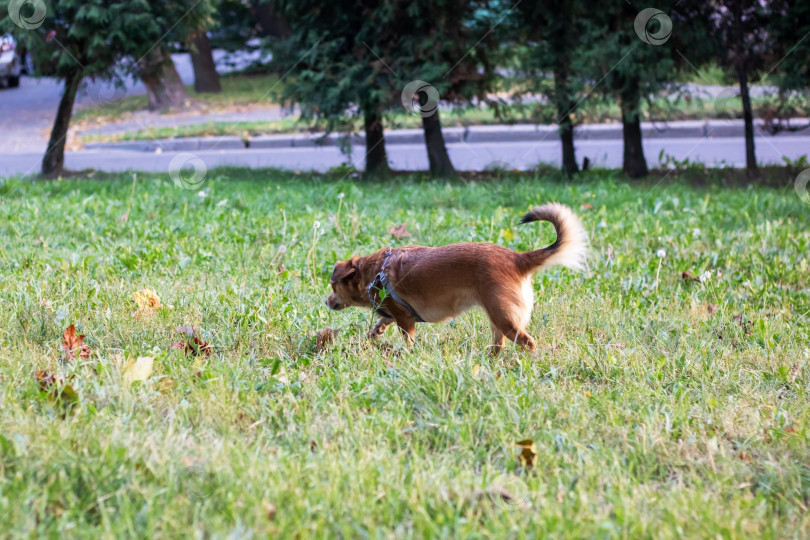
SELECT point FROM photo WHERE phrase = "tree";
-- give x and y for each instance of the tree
(206, 78)
(792, 71)
(357, 59)
(334, 76)
(164, 87)
(75, 39)
(446, 44)
(633, 54)
(551, 32)
(271, 23)
(791, 30)
(744, 38)
(182, 21)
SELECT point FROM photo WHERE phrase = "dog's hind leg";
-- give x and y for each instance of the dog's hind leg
(521, 338)
(510, 313)
(380, 328)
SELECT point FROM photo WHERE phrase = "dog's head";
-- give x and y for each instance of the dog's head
(346, 288)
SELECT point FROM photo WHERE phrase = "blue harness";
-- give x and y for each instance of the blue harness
(381, 283)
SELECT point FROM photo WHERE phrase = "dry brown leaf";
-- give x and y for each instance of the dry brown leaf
(795, 369)
(398, 231)
(148, 303)
(73, 344)
(587, 206)
(528, 453)
(55, 387)
(324, 338)
(166, 385)
(192, 345)
(270, 511)
(46, 380)
(688, 276)
(741, 321)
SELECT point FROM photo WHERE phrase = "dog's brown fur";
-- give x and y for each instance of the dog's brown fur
(441, 282)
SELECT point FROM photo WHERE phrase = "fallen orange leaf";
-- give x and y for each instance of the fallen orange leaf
(73, 343)
(192, 345)
(528, 452)
(398, 231)
(55, 387)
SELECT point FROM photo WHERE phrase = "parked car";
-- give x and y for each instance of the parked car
(10, 61)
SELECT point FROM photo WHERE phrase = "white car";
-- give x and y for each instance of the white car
(10, 62)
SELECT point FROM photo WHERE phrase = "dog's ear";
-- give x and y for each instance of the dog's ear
(344, 270)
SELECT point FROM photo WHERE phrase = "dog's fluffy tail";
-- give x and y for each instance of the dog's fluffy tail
(570, 247)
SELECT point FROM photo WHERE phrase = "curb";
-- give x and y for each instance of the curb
(470, 134)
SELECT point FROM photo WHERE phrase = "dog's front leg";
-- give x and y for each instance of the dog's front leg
(408, 328)
(380, 328)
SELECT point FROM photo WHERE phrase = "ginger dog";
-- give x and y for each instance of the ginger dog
(431, 284)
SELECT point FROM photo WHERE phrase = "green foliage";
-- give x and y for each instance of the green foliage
(346, 57)
(91, 37)
(792, 29)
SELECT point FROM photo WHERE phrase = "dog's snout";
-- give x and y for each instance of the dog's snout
(332, 303)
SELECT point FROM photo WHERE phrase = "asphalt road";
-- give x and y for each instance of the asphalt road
(510, 155)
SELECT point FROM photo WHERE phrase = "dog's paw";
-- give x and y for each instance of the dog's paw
(378, 330)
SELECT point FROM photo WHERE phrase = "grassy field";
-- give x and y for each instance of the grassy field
(658, 406)
(238, 93)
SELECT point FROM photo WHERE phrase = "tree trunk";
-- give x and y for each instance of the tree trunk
(54, 160)
(163, 84)
(741, 53)
(206, 78)
(271, 24)
(634, 165)
(439, 161)
(563, 100)
(376, 157)
(751, 170)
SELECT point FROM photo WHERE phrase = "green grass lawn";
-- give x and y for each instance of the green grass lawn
(659, 407)
(238, 92)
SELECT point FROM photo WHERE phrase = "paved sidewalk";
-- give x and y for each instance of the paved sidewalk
(469, 135)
